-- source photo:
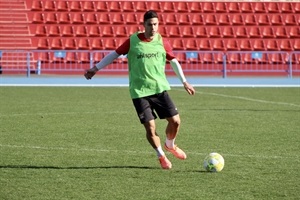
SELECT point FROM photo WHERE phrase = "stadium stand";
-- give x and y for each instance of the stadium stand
(101, 25)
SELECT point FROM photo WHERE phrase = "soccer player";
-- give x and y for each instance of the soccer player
(147, 53)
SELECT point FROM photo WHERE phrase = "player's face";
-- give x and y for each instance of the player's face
(151, 27)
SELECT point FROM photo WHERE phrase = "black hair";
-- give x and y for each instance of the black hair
(150, 14)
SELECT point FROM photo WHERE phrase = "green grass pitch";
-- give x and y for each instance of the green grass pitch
(87, 143)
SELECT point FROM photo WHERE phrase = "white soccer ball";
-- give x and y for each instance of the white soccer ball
(214, 162)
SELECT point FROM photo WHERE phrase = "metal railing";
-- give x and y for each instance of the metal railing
(193, 62)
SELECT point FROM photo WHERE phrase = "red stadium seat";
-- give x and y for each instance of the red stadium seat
(75, 6)
(101, 6)
(78, 18)
(297, 7)
(41, 31)
(218, 45)
(169, 6)
(130, 18)
(263, 19)
(215, 32)
(64, 18)
(68, 31)
(246, 7)
(121, 31)
(208, 7)
(241, 32)
(196, 7)
(84, 44)
(43, 43)
(91, 18)
(234, 58)
(221, 7)
(267, 32)
(81, 31)
(294, 32)
(272, 45)
(174, 31)
(177, 44)
(154, 5)
(184, 19)
(62, 6)
(228, 32)
(285, 45)
(84, 57)
(44, 57)
(250, 20)
(38, 18)
(191, 44)
(36, 6)
(70, 44)
(254, 32)
(247, 58)
(259, 7)
(237, 20)
(207, 58)
(273, 7)
(182, 7)
(164, 31)
(94, 31)
(97, 44)
(117, 18)
(224, 20)
(232, 45)
(211, 19)
(286, 7)
(188, 31)
(277, 58)
(88, 6)
(115, 6)
(234, 7)
(107, 31)
(280, 32)
(201, 32)
(49, 6)
(170, 19)
(197, 19)
(56, 44)
(258, 45)
(276, 20)
(141, 6)
(205, 45)
(110, 44)
(128, 6)
(245, 45)
(264, 59)
(296, 45)
(71, 57)
(54, 31)
(51, 18)
(104, 18)
(290, 20)
(98, 56)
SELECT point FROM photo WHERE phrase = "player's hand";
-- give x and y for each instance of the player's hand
(189, 88)
(90, 73)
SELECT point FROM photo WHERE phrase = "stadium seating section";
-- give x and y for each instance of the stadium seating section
(189, 25)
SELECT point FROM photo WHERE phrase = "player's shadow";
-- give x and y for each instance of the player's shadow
(82, 167)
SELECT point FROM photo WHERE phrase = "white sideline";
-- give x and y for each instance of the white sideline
(141, 152)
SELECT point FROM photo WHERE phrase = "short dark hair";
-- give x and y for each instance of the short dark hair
(150, 14)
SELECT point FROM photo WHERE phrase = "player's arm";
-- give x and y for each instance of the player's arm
(108, 59)
(179, 72)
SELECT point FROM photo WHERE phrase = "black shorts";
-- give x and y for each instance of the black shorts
(160, 103)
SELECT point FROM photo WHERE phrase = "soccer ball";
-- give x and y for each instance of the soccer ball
(214, 162)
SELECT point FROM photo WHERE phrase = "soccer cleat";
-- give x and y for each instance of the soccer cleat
(177, 152)
(164, 162)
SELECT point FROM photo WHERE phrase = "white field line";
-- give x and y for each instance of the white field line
(249, 99)
(137, 152)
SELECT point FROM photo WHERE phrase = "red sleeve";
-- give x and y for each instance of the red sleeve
(168, 48)
(123, 48)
